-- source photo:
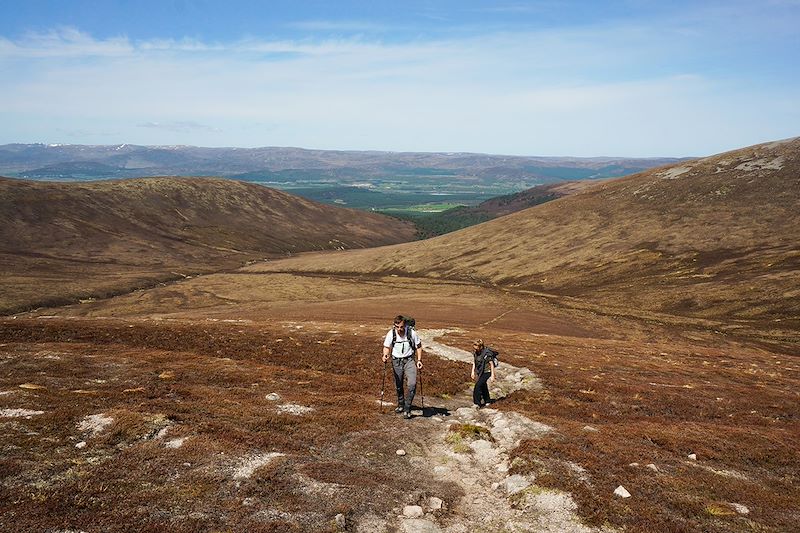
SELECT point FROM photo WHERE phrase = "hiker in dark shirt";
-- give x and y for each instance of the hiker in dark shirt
(482, 372)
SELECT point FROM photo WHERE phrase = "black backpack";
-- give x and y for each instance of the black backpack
(410, 324)
(492, 355)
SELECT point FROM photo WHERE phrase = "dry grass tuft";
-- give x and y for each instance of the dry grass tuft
(471, 432)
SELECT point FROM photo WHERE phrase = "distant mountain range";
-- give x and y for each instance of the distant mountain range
(76, 162)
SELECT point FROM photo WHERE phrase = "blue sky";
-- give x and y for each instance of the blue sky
(583, 78)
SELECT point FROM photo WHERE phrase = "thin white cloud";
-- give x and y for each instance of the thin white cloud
(64, 42)
(178, 126)
(173, 45)
(621, 90)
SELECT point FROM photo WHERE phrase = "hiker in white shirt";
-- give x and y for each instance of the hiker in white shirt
(401, 345)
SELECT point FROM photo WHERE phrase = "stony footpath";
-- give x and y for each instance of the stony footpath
(493, 500)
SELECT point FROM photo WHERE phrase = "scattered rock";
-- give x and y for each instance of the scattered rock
(485, 453)
(273, 397)
(580, 472)
(515, 483)
(435, 504)
(739, 508)
(621, 492)
(94, 423)
(419, 525)
(720, 472)
(653, 467)
(590, 429)
(32, 386)
(17, 413)
(692, 456)
(81, 444)
(634, 465)
(176, 443)
(250, 464)
(413, 511)
(167, 374)
(481, 445)
(675, 172)
(341, 522)
(400, 452)
(465, 412)
(294, 409)
(509, 428)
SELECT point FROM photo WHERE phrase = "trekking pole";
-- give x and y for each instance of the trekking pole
(383, 385)
(420, 391)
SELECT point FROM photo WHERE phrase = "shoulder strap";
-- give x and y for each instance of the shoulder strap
(394, 336)
(410, 338)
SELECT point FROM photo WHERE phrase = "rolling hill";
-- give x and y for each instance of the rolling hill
(711, 238)
(433, 224)
(62, 241)
(253, 399)
(511, 203)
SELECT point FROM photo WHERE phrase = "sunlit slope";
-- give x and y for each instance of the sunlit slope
(63, 240)
(715, 237)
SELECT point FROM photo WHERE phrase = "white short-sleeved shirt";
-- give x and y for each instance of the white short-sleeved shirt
(402, 346)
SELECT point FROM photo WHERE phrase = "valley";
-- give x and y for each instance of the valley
(647, 327)
(370, 180)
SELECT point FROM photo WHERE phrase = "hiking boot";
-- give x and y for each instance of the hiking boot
(398, 409)
(407, 415)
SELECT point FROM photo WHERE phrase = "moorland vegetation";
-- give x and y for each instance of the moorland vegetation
(654, 319)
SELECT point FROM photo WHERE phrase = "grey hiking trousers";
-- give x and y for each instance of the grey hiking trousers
(405, 367)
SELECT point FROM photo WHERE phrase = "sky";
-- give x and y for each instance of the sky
(633, 78)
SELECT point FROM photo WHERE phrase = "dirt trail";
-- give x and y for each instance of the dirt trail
(493, 500)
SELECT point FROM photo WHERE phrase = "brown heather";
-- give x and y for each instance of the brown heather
(208, 384)
(659, 311)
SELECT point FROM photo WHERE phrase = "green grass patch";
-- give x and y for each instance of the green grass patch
(471, 432)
